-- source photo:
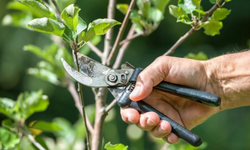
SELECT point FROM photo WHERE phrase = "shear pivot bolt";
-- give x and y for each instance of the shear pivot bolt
(112, 78)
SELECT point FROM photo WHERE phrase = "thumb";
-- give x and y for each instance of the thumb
(150, 77)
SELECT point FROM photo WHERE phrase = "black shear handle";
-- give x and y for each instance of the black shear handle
(177, 129)
(189, 93)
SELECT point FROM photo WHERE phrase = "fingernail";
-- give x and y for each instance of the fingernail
(150, 122)
(169, 140)
(136, 91)
(162, 130)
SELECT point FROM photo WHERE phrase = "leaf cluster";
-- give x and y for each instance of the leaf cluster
(191, 12)
(148, 16)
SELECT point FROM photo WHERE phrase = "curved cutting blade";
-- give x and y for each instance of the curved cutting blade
(93, 74)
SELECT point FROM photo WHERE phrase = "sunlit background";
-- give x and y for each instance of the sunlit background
(227, 130)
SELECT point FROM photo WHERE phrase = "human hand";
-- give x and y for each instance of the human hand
(185, 112)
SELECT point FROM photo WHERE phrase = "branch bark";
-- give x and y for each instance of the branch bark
(123, 48)
(120, 33)
(73, 92)
(192, 30)
(74, 48)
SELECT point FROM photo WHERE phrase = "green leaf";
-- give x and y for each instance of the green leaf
(39, 6)
(45, 126)
(123, 8)
(8, 107)
(199, 56)
(48, 56)
(184, 19)
(136, 18)
(160, 4)
(8, 139)
(64, 3)
(17, 19)
(81, 26)
(44, 75)
(212, 27)
(70, 16)
(8, 124)
(109, 146)
(176, 11)
(220, 13)
(155, 15)
(67, 132)
(101, 26)
(47, 25)
(187, 5)
(15, 5)
(197, 2)
(144, 6)
(97, 27)
(32, 102)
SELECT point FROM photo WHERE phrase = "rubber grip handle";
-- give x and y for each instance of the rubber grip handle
(189, 93)
(177, 129)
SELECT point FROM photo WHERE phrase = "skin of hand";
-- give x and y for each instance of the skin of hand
(227, 76)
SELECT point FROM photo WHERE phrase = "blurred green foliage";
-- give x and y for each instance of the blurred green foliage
(226, 130)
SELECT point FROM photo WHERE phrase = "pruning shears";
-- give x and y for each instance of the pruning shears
(121, 82)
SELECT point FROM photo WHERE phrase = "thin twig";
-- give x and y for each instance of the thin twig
(121, 31)
(74, 48)
(73, 92)
(58, 12)
(123, 48)
(111, 105)
(192, 30)
(131, 38)
(109, 34)
(94, 49)
(33, 140)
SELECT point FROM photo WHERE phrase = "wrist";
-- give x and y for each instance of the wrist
(228, 76)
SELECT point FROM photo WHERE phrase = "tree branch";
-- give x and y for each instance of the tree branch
(58, 12)
(33, 140)
(74, 48)
(95, 49)
(109, 34)
(121, 31)
(123, 48)
(73, 92)
(131, 38)
(110, 106)
(192, 30)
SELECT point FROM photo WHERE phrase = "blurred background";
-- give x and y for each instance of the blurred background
(229, 129)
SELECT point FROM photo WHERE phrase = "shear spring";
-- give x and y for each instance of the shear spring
(131, 87)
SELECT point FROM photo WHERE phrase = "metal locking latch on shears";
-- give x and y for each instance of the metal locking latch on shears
(121, 82)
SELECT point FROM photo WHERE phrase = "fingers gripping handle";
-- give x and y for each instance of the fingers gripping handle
(177, 129)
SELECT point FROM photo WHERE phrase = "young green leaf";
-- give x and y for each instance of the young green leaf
(220, 13)
(184, 19)
(109, 146)
(155, 15)
(8, 124)
(47, 25)
(8, 107)
(160, 4)
(123, 8)
(176, 11)
(144, 6)
(81, 26)
(39, 6)
(45, 126)
(136, 20)
(212, 27)
(97, 27)
(187, 5)
(197, 2)
(70, 16)
(32, 102)
(8, 139)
